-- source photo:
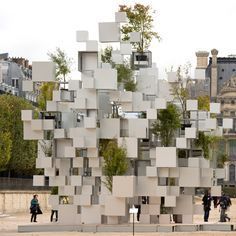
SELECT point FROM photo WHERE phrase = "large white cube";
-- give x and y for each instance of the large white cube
(105, 79)
(131, 146)
(200, 74)
(151, 114)
(27, 85)
(120, 17)
(119, 189)
(172, 77)
(90, 122)
(82, 36)
(160, 103)
(109, 32)
(115, 206)
(211, 123)
(166, 157)
(189, 177)
(227, 123)
(135, 37)
(170, 201)
(43, 71)
(125, 49)
(26, 115)
(181, 142)
(190, 132)
(38, 180)
(215, 108)
(192, 105)
(92, 46)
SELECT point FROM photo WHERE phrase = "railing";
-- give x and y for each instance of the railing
(20, 184)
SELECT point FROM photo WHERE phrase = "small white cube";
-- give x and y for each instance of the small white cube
(82, 36)
(121, 17)
(215, 108)
(160, 103)
(192, 105)
(125, 48)
(227, 123)
(135, 37)
(27, 85)
(190, 132)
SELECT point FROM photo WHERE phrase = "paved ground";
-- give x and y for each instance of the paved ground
(9, 224)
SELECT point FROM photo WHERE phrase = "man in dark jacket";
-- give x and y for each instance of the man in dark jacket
(206, 202)
(224, 203)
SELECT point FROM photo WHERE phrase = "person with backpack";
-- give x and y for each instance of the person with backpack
(206, 202)
(224, 203)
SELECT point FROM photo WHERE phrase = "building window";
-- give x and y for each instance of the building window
(232, 102)
(222, 102)
(233, 70)
(220, 78)
(17, 83)
(223, 70)
(13, 83)
(231, 172)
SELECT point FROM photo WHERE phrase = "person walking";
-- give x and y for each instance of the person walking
(206, 202)
(34, 206)
(224, 203)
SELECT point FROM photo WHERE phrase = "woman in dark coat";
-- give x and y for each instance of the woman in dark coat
(34, 206)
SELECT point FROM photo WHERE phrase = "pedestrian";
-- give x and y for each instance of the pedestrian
(206, 202)
(34, 208)
(224, 203)
(54, 211)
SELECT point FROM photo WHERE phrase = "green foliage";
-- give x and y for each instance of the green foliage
(140, 20)
(124, 72)
(204, 103)
(167, 122)
(115, 162)
(125, 75)
(221, 159)
(5, 149)
(22, 153)
(208, 144)
(179, 90)
(63, 63)
(54, 190)
(46, 90)
(106, 55)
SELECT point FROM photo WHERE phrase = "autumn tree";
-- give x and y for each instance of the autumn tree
(140, 19)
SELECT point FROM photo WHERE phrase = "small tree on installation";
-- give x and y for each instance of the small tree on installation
(115, 162)
(167, 122)
(179, 89)
(140, 19)
(63, 63)
(124, 72)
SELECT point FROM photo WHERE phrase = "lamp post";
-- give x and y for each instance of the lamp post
(133, 211)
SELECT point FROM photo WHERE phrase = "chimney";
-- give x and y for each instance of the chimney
(214, 75)
(202, 59)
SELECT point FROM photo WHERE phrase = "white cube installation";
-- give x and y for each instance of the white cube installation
(98, 109)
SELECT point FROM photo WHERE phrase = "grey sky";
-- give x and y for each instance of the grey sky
(31, 28)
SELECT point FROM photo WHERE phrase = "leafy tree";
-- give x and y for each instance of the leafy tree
(125, 75)
(115, 162)
(179, 89)
(140, 20)
(5, 150)
(124, 72)
(209, 145)
(22, 153)
(106, 55)
(63, 63)
(204, 103)
(167, 122)
(46, 90)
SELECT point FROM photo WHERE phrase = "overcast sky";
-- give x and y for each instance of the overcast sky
(32, 28)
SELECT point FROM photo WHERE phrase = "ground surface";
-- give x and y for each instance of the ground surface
(9, 224)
